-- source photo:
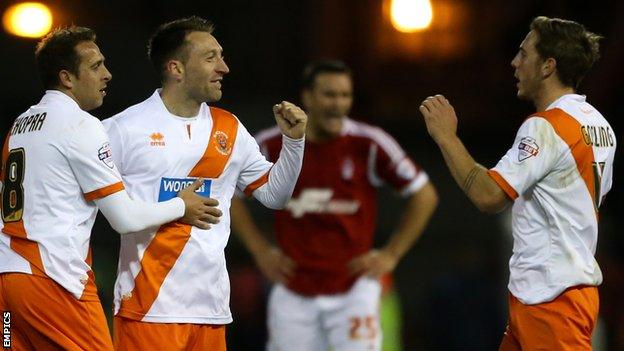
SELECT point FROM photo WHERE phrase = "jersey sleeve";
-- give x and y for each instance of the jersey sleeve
(90, 157)
(115, 139)
(391, 165)
(255, 169)
(534, 154)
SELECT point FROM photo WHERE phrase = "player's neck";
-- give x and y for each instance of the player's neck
(549, 94)
(179, 103)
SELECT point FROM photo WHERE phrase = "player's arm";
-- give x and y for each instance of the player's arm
(276, 266)
(127, 216)
(473, 178)
(89, 155)
(277, 188)
(418, 210)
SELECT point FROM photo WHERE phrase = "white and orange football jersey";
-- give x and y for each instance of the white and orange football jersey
(558, 172)
(56, 160)
(177, 273)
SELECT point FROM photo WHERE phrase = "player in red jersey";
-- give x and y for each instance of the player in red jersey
(326, 270)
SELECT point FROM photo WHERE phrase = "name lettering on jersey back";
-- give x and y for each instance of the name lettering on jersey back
(169, 187)
(28, 123)
(597, 136)
(319, 201)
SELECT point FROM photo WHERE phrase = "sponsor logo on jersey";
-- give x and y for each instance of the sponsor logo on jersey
(319, 201)
(106, 155)
(528, 148)
(222, 143)
(169, 187)
(157, 139)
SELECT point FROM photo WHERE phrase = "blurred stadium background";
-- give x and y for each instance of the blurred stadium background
(452, 285)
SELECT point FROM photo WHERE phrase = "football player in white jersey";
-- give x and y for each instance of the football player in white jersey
(172, 290)
(57, 169)
(556, 174)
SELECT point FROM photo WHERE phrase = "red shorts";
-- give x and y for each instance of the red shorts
(131, 335)
(566, 323)
(45, 316)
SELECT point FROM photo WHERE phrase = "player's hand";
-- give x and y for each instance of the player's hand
(199, 211)
(290, 119)
(440, 117)
(276, 266)
(374, 264)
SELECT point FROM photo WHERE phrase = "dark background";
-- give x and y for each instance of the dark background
(453, 282)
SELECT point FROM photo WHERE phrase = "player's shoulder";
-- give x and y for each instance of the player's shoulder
(359, 129)
(135, 113)
(217, 112)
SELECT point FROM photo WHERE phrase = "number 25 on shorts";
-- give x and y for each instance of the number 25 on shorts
(363, 328)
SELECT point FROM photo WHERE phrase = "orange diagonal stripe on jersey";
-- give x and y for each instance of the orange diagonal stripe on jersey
(569, 129)
(157, 261)
(213, 162)
(167, 245)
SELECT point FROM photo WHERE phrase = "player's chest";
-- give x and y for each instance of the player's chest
(337, 166)
(179, 149)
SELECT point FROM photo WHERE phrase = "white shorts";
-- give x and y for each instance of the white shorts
(341, 322)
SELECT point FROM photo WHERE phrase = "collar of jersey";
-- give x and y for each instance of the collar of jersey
(61, 96)
(161, 104)
(577, 97)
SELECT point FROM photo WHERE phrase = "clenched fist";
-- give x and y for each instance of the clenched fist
(290, 119)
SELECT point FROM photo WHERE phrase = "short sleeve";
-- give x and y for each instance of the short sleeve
(116, 142)
(533, 155)
(255, 168)
(393, 166)
(90, 157)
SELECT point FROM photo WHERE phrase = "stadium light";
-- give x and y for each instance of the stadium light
(28, 19)
(410, 16)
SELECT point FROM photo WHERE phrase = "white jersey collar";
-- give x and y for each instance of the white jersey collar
(575, 97)
(57, 95)
(157, 99)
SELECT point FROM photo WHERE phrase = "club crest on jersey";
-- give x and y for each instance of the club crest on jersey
(106, 155)
(348, 168)
(222, 143)
(169, 187)
(528, 148)
(157, 139)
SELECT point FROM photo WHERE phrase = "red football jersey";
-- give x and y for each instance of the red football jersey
(331, 216)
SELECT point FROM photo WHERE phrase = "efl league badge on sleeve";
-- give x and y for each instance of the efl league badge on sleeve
(527, 148)
(106, 155)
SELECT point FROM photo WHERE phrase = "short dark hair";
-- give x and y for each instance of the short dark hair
(57, 52)
(574, 48)
(170, 38)
(313, 69)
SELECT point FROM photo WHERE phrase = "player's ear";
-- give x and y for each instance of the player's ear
(175, 70)
(66, 79)
(549, 66)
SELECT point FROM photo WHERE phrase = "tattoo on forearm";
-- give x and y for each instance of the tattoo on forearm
(470, 178)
